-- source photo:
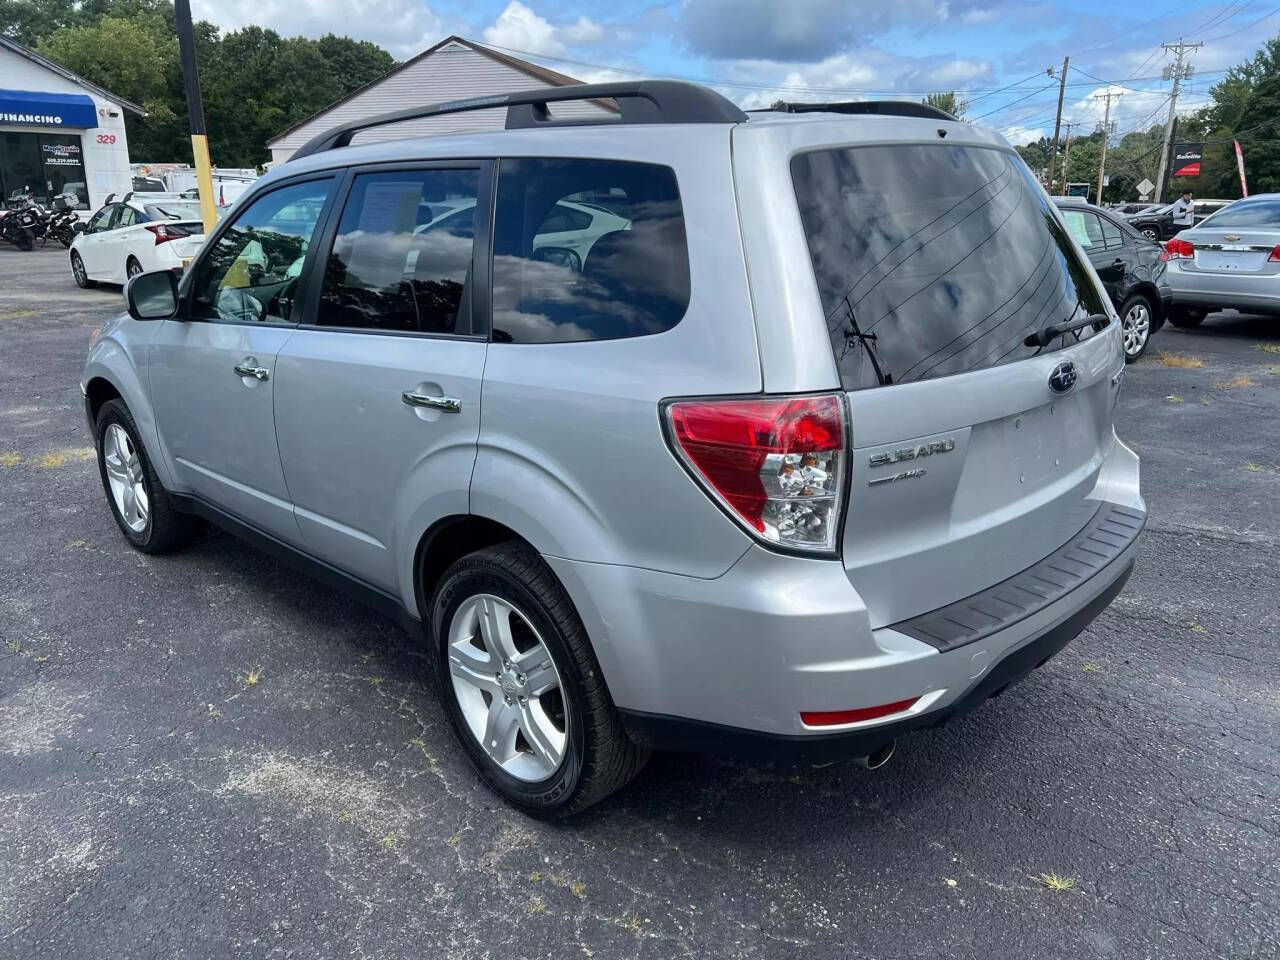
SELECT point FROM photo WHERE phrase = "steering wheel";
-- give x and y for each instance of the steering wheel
(233, 303)
(282, 302)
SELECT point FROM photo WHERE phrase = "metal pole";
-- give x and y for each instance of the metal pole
(1178, 73)
(1057, 123)
(195, 112)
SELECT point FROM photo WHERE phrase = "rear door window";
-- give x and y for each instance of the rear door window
(563, 274)
(936, 259)
(1111, 234)
(399, 262)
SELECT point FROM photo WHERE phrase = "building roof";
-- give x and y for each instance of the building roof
(549, 77)
(20, 50)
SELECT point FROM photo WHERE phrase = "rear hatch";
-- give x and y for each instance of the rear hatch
(1226, 250)
(934, 262)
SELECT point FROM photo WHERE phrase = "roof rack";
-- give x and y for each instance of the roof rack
(887, 108)
(646, 101)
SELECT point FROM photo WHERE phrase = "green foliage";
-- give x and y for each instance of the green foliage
(949, 102)
(254, 83)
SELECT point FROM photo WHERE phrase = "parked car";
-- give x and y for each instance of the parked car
(816, 450)
(137, 233)
(1129, 209)
(1229, 261)
(1131, 268)
(1158, 224)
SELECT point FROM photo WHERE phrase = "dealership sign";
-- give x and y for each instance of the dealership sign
(34, 109)
(1187, 158)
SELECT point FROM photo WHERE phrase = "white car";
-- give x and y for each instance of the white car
(134, 234)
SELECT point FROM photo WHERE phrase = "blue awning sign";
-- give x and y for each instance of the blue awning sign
(30, 108)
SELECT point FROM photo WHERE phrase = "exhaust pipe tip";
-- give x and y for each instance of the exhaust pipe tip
(879, 757)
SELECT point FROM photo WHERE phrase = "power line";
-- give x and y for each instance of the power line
(1247, 26)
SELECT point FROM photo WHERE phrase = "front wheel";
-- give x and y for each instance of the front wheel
(1151, 233)
(1136, 325)
(522, 686)
(78, 271)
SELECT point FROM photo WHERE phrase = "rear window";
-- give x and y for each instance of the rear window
(173, 211)
(561, 274)
(1264, 212)
(935, 259)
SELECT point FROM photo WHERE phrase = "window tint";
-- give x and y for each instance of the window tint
(251, 273)
(173, 210)
(395, 266)
(128, 217)
(1084, 228)
(1111, 234)
(1263, 212)
(623, 272)
(101, 219)
(936, 259)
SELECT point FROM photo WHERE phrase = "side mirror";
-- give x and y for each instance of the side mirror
(152, 296)
(78, 227)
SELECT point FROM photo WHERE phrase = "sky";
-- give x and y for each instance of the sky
(994, 52)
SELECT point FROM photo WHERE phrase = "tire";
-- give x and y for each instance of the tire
(1151, 233)
(25, 241)
(1185, 318)
(162, 528)
(1137, 322)
(131, 268)
(78, 271)
(510, 584)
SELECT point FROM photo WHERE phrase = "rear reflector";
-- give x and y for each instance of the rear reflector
(834, 718)
(776, 464)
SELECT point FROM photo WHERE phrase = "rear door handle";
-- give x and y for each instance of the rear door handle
(447, 404)
(249, 367)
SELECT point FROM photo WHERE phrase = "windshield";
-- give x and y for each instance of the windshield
(174, 211)
(1262, 212)
(935, 259)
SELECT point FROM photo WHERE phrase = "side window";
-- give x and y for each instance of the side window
(128, 217)
(401, 258)
(1111, 234)
(1084, 227)
(98, 222)
(251, 273)
(562, 274)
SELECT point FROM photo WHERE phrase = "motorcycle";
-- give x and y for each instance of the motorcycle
(21, 224)
(63, 224)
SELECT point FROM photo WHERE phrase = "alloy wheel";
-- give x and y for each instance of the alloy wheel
(1137, 327)
(124, 474)
(508, 688)
(77, 268)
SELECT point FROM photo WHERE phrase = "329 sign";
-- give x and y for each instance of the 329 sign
(106, 138)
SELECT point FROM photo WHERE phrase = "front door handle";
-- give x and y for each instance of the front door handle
(249, 367)
(447, 404)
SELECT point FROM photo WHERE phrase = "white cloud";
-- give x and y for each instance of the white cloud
(402, 27)
(978, 15)
(959, 72)
(520, 28)
(1021, 136)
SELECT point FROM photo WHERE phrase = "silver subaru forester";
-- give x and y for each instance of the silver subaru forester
(777, 435)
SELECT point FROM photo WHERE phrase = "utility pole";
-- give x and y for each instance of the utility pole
(195, 113)
(1179, 73)
(1106, 132)
(1057, 123)
(1066, 158)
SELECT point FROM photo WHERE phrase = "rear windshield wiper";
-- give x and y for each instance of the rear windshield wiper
(1042, 338)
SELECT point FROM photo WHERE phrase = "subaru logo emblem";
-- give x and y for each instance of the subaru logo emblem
(1063, 377)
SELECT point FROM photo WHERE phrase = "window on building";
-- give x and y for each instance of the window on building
(402, 254)
(567, 267)
(42, 165)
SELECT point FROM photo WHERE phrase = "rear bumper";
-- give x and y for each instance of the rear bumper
(1239, 291)
(677, 733)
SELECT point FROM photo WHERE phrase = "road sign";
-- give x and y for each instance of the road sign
(1106, 179)
(1145, 187)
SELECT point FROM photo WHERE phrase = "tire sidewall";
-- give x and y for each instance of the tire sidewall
(474, 576)
(114, 412)
(80, 276)
(1128, 305)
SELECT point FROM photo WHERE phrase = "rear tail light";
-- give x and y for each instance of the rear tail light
(776, 465)
(1178, 249)
(1275, 254)
(165, 232)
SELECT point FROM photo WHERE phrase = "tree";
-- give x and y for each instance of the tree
(949, 102)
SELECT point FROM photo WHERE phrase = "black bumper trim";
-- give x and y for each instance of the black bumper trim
(695, 736)
(1110, 532)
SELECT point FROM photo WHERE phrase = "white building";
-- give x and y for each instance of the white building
(58, 131)
(453, 69)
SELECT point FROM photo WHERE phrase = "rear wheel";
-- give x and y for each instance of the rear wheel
(522, 686)
(1151, 233)
(1136, 325)
(78, 271)
(132, 268)
(25, 240)
(1186, 318)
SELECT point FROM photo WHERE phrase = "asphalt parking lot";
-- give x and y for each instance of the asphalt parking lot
(208, 755)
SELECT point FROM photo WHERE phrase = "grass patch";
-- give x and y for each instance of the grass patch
(8, 459)
(60, 458)
(388, 841)
(1180, 360)
(1268, 347)
(1174, 398)
(1199, 628)
(537, 905)
(1239, 380)
(253, 676)
(1091, 667)
(1051, 881)
(1256, 468)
